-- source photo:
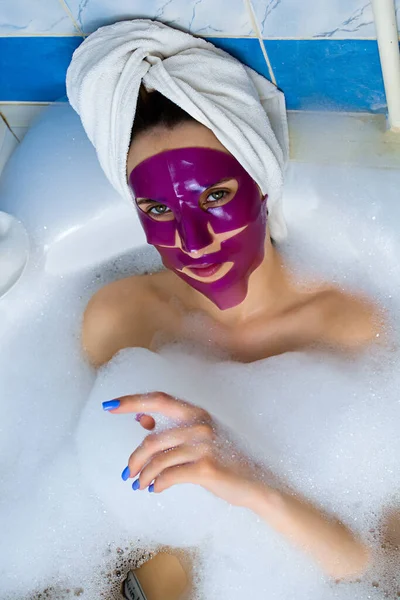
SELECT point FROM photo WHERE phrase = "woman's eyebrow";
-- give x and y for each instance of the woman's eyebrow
(140, 201)
(221, 181)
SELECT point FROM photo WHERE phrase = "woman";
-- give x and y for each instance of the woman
(274, 316)
(208, 219)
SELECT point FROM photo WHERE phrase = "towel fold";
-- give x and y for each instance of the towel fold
(243, 109)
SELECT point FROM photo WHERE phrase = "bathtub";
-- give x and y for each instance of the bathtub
(72, 234)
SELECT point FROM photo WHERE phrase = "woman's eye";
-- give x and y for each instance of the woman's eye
(160, 209)
(217, 195)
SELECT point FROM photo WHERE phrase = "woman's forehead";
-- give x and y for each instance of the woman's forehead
(184, 172)
(160, 139)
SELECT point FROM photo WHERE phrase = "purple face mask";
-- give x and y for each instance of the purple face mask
(213, 245)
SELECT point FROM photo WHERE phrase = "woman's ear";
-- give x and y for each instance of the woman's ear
(262, 196)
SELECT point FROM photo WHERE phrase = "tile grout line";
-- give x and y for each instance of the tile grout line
(40, 35)
(293, 38)
(254, 21)
(71, 17)
(5, 103)
(10, 129)
(213, 36)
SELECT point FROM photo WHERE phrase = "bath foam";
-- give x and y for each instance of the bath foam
(332, 442)
(52, 527)
(329, 429)
(342, 224)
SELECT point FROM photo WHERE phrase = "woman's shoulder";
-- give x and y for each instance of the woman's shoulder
(119, 316)
(347, 320)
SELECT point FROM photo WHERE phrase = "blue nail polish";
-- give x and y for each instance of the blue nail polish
(151, 487)
(125, 473)
(111, 404)
(136, 484)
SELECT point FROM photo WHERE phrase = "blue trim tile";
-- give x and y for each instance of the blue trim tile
(32, 69)
(314, 74)
(247, 50)
(328, 74)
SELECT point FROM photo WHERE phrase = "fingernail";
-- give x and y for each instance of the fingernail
(111, 404)
(139, 416)
(125, 473)
(136, 484)
(151, 487)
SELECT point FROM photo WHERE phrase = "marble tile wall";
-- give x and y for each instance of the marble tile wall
(300, 19)
(307, 19)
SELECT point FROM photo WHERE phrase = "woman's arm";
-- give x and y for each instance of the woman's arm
(192, 454)
(328, 540)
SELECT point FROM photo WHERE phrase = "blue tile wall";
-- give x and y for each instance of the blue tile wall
(315, 75)
(328, 74)
(32, 69)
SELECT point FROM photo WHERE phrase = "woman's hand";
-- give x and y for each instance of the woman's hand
(195, 451)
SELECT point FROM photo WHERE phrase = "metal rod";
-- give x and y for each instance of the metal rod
(389, 53)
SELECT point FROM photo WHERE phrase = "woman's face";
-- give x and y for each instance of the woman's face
(200, 209)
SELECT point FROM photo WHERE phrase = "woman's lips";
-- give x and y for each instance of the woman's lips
(207, 273)
(205, 270)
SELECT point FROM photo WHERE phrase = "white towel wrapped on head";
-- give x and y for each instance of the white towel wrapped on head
(243, 109)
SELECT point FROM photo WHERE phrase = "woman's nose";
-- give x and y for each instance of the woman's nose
(194, 233)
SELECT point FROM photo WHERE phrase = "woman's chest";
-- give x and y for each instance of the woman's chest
(246, 342)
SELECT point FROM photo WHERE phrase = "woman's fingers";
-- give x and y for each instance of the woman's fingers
(146, 421)
(159, 442)
(170, 458)
(156, 402)
(201, 473)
